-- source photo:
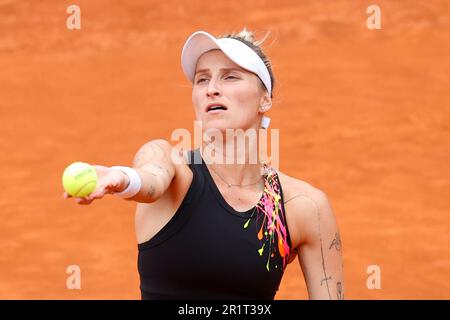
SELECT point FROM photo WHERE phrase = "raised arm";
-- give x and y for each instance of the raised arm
(320, 250)
(156, 169)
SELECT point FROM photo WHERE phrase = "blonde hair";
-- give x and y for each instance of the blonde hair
(248, 38)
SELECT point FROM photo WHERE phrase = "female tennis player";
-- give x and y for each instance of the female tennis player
(209, 229)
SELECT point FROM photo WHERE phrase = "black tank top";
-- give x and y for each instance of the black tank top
(208, 250)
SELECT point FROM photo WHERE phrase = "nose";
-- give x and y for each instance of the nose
(212, 90)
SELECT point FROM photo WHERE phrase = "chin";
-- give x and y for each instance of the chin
(214, 124)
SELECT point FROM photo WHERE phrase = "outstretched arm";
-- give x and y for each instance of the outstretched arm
(154, 165)
(320, 250)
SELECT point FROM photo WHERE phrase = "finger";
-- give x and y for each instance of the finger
(66, 195)
(83, 201)
(98, 194)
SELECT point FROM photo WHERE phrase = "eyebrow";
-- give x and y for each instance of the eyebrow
(221, 69)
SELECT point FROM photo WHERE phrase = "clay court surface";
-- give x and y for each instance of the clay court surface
(363, 115)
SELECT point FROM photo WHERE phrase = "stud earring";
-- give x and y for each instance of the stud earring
(264, 108)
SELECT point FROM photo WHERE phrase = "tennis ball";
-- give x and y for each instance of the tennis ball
(79, 179)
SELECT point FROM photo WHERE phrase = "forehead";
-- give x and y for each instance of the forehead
(216, 59)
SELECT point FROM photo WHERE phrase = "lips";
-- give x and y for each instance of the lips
(215, 106)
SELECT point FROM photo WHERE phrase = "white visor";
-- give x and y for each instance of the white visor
(238, 52)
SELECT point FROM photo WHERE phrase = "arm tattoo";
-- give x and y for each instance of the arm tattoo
(324, 269)
(151, 192)
(298, 195)
(326, 280)
(153, 150)
(149, 153)
(321, 252)
(140, 155)
(340, 293)
(161, 168)
(336, 242)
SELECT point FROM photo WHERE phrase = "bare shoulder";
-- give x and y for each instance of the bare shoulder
(294, 188)
(173, 159)
(303, 203)
(161, 149)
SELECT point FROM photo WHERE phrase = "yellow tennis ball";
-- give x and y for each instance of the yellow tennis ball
(79, 179)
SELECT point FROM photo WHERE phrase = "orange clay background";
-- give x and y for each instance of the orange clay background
(363, 115)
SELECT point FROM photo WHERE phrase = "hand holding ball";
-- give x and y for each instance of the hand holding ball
(79, 179)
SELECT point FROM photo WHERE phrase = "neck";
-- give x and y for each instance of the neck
(233, 163)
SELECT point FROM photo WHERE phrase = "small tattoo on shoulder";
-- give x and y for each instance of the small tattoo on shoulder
(151, 192)
(140, 155)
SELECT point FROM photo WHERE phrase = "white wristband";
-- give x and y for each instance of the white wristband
(135, 182)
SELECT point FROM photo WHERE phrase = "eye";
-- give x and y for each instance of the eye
(201, 80)
(231, 77)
